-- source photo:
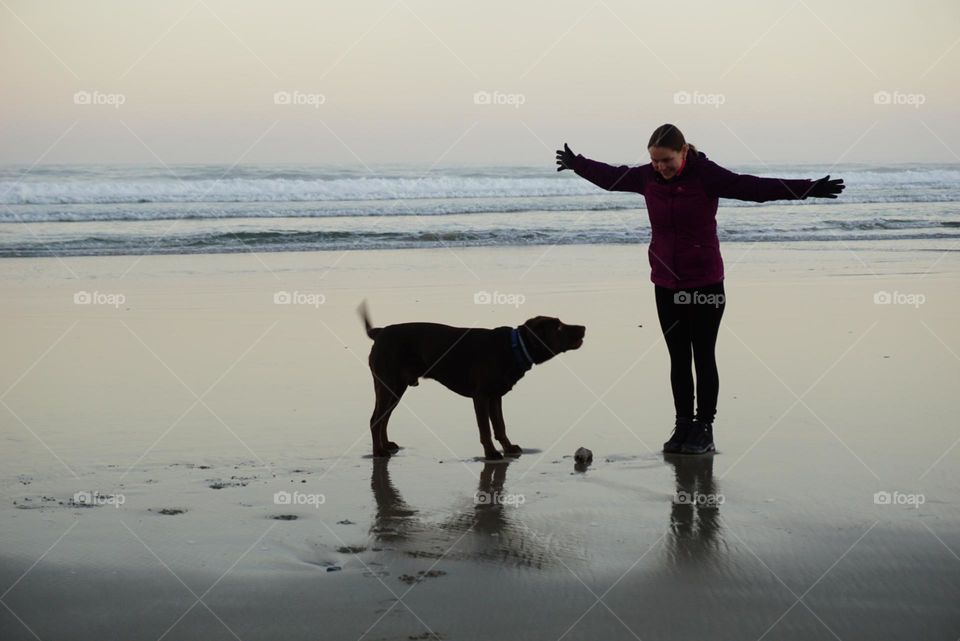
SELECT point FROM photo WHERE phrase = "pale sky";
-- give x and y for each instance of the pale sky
(768, 81)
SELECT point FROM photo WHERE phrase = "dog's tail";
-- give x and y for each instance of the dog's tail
(365, 315)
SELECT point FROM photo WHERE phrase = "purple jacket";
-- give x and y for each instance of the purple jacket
(684, 249)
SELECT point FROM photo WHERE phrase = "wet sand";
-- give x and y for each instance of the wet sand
(147, 434)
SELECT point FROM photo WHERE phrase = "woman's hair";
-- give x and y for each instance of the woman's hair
(670, 137)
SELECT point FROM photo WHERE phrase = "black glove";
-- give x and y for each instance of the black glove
(826, 188)
(565, 158)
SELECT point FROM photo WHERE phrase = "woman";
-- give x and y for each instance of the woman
(682, 189)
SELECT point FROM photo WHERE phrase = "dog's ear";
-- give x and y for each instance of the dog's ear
(538, 326)
(551, 336)
(542, 343)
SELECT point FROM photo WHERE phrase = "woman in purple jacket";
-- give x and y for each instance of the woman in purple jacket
(682, 189)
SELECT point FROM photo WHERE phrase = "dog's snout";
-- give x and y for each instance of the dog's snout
(577, 332)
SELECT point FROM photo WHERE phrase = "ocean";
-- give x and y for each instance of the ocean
(116, 210)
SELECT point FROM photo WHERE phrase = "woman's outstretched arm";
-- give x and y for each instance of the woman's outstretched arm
(724, 183)
(622, 178)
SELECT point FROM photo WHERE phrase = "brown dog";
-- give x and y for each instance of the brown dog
(482, 364)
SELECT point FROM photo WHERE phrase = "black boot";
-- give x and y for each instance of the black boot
(699, 439)
(681, 432)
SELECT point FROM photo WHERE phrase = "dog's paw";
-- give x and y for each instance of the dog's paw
(393, 447)
(381, 453)
(493, 455)
(513, 450)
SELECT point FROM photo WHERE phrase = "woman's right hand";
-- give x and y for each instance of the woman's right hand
(826, 188)
(565, 158)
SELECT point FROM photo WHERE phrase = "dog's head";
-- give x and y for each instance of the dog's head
(545, 337)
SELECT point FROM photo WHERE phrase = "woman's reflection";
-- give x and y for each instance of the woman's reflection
(695, 513)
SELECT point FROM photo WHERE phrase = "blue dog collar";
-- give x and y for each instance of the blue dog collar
(520, 352)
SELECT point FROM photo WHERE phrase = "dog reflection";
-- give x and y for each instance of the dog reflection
(394, 518)
(486, 526)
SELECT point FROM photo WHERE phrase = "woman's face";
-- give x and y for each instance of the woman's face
(665, 161)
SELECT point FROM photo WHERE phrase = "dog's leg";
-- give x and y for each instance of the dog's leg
(388, 397)
(391, 446)
(500, 428)
(481, 406)
(379, 410)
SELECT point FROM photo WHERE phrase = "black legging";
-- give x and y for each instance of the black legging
(691, 319)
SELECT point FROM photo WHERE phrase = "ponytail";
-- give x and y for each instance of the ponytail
(670, 137)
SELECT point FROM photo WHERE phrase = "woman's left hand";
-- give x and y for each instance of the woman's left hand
(565, 158)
